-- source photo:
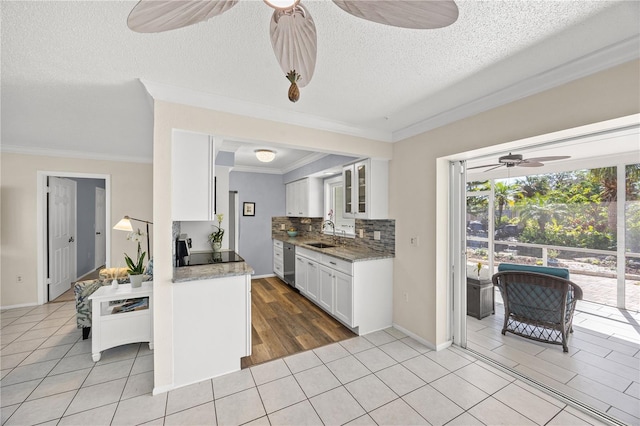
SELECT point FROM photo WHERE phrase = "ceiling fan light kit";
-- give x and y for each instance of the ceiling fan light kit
(282, 4)
(293, 32)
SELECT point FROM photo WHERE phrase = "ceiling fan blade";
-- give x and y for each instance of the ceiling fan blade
(551, 158)
(403, 13)
(529, 163)
(486, 165)
(295, 42)
(154, 16)
(493, 168)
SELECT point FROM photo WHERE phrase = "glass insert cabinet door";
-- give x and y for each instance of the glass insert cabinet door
(361, 171)
(348, 190)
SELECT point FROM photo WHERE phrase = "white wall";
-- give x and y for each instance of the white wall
(131, 194)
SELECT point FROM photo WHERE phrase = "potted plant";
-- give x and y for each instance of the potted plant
(215, 238)
(135, 268)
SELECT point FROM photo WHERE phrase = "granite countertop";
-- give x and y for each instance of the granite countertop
(348, 253)
(210, 271)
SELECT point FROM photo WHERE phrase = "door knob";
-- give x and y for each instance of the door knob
(98, 233)
(71, 239)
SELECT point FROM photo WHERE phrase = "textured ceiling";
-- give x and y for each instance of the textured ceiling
(70, 70)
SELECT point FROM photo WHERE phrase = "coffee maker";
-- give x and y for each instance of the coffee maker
(183, 250)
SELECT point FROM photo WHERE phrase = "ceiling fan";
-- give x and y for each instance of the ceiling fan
(516, 160)
(293, 32)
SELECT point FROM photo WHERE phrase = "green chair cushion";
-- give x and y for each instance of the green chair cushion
(558, 272)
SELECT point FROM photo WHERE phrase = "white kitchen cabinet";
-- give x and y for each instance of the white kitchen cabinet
(366, 189)
(304, 198)
(301, 274)
(343, 309)
(278, 259)
(192, 177)
(313, 280)
(325, 292)
(359, 294)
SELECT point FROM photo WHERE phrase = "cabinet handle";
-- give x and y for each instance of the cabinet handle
(333, 263)
(310, 264)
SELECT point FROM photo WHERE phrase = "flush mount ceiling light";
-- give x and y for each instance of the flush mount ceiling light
(293, 32)
(265, 155)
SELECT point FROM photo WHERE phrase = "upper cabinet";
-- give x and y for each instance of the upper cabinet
(304, 198)
(366, 189)
(192, 176)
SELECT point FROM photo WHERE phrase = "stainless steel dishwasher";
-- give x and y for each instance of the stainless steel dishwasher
(289, 264)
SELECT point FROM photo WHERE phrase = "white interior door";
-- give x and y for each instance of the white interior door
(62, 228)
(100, 225)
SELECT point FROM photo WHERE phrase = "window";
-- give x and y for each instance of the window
(334, 200)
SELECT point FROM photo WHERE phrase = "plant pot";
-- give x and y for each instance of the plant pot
(136, 280)
(216, 245)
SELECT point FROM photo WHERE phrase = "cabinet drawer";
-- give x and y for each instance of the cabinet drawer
(310, 254)
(338, 264)
(278, 253)
(277, 243)
(278, 269)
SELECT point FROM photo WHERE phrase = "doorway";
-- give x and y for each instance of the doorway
(68, 223)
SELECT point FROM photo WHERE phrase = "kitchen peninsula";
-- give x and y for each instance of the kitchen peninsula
(212, 319)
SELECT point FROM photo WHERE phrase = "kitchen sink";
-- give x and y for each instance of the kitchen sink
(320, 245)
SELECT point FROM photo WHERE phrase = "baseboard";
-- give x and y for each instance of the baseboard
(255, 277)
(423, 341)
(22, 305)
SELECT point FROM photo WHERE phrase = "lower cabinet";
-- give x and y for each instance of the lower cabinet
(325, 299)
(343, 309)
(301, 274)
(358, 294)
(313, 279)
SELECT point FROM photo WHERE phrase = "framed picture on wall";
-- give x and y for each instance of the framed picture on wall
(248, 209)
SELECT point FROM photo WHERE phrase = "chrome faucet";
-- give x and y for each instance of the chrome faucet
(333, 227)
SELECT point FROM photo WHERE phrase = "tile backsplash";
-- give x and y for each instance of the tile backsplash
(312, 228)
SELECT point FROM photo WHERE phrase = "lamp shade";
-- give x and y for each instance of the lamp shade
(265, 155)
(124, 224)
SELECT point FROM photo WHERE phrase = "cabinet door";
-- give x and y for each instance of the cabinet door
(325, 296)
(302, 197)
(360, 182)
(289, 199)
(312, 280)
(301, 274)
(192, 177)
(347, 179)
(344, 298)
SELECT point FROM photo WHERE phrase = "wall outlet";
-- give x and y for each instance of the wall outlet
(361, 233)
(310, 228)
(19, 278)
(415, 242)
(376, 235)
(282, 227)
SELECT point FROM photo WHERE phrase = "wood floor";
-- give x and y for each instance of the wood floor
(285, 322)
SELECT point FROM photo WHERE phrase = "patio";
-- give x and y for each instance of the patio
(602, 367)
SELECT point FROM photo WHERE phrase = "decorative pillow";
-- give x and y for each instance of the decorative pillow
(149, 269)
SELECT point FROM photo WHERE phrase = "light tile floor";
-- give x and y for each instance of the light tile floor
(601, 369)
(48, 378)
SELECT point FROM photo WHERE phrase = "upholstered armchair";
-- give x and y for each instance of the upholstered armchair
(538, 302)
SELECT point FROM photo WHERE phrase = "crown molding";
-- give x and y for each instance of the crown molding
(48, 152)
(168, 93)
(600, 60)
(304, 161)
(253, 169)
